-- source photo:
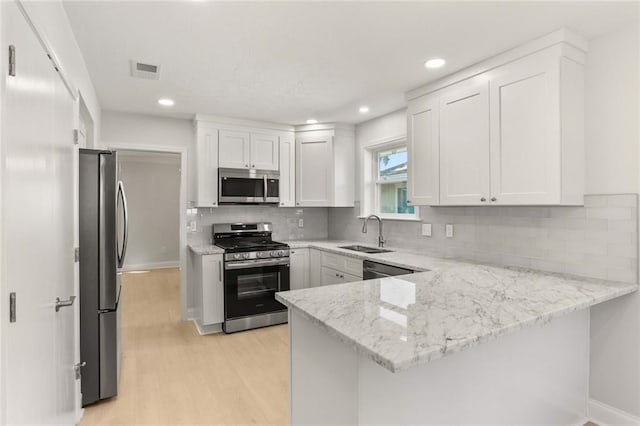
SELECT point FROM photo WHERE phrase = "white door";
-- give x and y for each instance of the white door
(264, 152)
(299, 269)
(423, 151)
(287, 172)
(234, 149)
(525, 132)
(314, 169)
(464, 144)
(37, 232)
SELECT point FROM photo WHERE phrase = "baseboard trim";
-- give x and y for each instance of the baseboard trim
(203, 330)
(154, 265)
(606, 415)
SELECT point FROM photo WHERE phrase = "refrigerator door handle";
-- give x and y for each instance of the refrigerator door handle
(125, 214)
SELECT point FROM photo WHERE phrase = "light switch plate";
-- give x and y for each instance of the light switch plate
(426, 229)
(300, 223)
(448, 230)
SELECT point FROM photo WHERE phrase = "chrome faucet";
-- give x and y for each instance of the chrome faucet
(364, 228)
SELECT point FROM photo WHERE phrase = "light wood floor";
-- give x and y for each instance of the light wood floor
(172, 375)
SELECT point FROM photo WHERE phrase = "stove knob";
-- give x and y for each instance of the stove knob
(236, 256)
(263, 254)
(277, 253)
(245, 255)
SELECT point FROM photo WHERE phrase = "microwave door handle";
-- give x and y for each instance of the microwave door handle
(265, 188)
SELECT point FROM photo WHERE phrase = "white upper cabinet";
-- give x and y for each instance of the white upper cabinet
(235, 149)
(464, 143)
(248, 150)
(423, 129)
(205, 162)
(264, 152)
(314, 169)
(287, 171)
(325, 166)
(507, 131)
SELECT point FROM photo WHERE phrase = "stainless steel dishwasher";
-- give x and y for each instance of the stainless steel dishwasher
(371, 270)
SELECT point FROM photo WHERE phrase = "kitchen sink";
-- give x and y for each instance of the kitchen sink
(365, 249)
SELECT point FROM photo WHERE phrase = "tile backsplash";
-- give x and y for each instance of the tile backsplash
(285, 221)
(597, 240)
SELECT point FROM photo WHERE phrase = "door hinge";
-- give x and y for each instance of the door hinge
(76, 137)
(12, 60)
(76, 254)
(12, 307)
(78, 368)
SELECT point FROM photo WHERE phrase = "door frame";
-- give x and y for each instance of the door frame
(182, 151)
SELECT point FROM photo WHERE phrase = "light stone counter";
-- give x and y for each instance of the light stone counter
(403, 322)
(206, 249)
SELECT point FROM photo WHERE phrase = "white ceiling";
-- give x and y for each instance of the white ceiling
(286, 62)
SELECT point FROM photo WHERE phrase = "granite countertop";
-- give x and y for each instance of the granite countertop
(205, 249)
(401, 322)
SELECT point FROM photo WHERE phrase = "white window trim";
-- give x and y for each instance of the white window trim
(370, 180)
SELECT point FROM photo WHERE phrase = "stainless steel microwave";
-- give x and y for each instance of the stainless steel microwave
(240, 186)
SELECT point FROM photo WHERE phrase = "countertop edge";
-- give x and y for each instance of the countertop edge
(458, 346)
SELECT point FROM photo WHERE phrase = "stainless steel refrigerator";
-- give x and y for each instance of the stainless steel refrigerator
(103, 245)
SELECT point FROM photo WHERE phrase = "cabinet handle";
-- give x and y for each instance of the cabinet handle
(483, 199)
(246, 165)
(253, 165)
(341, 276)
(408, 201)
(282, 204)
(220, 270)
(493, 199)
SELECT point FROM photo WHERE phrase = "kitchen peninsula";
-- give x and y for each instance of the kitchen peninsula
(461, 343)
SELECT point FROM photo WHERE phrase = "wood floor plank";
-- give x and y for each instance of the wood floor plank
(171, 375)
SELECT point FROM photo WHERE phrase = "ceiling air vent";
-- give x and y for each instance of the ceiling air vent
(142, 70)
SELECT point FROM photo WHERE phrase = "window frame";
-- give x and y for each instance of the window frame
(372, 183)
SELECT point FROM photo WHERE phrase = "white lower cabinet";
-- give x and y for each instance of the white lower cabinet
(299, 268)
(327, 268)
(211, 285)
(333, 276)
(315, 268)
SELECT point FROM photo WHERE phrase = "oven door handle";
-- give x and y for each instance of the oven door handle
(254, 264)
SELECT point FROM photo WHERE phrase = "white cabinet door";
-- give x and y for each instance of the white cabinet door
(423, 151)
(212, 289)
(235, 149)
(299, 269)
(315, 268)
(206, 185)
(314, 171)
(349, 278)
(264, 152)
(464, 143)
(525, 132)
(330, 276)
(287, 172)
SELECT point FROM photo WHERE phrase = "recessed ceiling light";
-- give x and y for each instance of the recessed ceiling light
(435, 63)
(312, 121)
(166, 102)
(364, 109)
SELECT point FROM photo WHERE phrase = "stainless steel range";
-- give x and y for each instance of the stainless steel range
(255, 268)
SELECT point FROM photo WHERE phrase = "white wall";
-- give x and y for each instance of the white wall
(51, 19)
(612, 166)
(152, 184)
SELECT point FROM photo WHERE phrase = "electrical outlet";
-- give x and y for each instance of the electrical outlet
(300, 223)
(448, 230)
(426, 229)
(192, 226)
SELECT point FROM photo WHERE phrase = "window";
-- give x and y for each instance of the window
(387, 191)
